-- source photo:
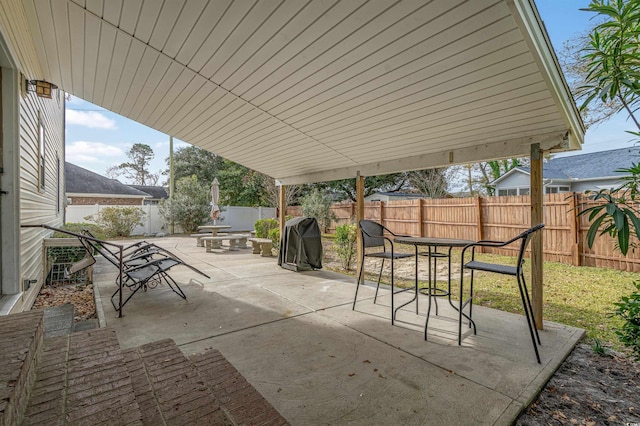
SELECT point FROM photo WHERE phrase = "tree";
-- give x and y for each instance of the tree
(575, 71)
(272, 192)
(431, 182)
(345, 189)
(194, 161)
(317, 204)
(613, 65)
(239, 186)
(190, 204)
(613, 57)
(492, 170)
(136, 170)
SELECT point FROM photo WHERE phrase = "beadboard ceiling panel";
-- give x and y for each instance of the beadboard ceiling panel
(314, 90)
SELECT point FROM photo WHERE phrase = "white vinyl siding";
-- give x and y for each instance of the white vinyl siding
(41, 120)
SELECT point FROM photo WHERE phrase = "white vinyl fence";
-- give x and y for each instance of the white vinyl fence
(239, 218)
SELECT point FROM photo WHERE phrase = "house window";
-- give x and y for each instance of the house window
(41, 154)
(556, 189)
(513, 191)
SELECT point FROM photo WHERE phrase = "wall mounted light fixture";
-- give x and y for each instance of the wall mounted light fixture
(41, 88)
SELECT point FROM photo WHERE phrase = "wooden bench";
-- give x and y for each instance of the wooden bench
(262, 246)
(236, 241)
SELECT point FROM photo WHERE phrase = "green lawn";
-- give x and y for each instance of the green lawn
(577, 296)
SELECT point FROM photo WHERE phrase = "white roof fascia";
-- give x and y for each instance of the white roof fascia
(93, 195)
(597, 178)
(517, 147)
(531, 26)
(509, 173)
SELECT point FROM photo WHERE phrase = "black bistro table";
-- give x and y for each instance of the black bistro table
(434, 251)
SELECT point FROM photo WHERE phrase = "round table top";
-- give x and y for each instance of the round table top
(432, 241)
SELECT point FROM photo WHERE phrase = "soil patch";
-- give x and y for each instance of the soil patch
(79, 295)
(589, 389)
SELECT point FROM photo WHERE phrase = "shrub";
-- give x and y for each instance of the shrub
(318, 204)
(96, 230)
(629, 310)
(264, 226)
(119, 221)
(274, 236)
(344, 243)
(190, 204)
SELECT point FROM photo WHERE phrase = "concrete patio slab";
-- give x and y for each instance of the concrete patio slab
(295, 337)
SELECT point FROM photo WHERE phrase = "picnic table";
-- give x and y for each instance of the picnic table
(214, 232)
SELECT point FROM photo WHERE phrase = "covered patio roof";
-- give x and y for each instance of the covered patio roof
(307, 91)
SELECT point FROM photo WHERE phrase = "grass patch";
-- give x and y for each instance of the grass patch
(577, 296)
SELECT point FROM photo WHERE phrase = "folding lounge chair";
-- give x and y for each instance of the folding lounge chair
(141, 271)
(135, 249)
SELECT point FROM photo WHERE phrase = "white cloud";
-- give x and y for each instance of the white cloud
(82, 152)
(176, 144)
(93, 119)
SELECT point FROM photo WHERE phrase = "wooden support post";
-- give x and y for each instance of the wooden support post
(283, 209)
(537, 216)
(360, 215)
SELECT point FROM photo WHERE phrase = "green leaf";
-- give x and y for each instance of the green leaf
(623, 238)
(593, 230)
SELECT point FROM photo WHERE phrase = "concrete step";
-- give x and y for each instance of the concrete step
(89, 324)
(22, 337)
(238, 398)
(58, 320)
(82, 379)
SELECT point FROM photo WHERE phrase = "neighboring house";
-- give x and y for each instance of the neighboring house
(85, 187)
(156, 193)
(392, 196)
(576, 173)
(32, 179)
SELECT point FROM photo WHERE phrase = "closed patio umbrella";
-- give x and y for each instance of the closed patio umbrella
(215, 195)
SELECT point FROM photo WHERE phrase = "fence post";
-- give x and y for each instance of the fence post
(479, 222)
(576, 244)
(381, 212)
(420, 216)
(479, 218)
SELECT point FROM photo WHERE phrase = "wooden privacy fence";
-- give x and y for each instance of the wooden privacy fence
(499, 219)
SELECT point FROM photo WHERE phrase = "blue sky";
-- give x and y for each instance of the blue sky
(98, 139)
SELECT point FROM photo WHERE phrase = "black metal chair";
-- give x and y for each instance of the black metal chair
(516, 271)
(373, 236)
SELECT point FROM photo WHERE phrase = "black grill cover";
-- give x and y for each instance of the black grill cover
(301, 245)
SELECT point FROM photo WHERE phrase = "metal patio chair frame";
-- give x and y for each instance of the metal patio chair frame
(516, 271)
(373, 236)
(141, 270)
